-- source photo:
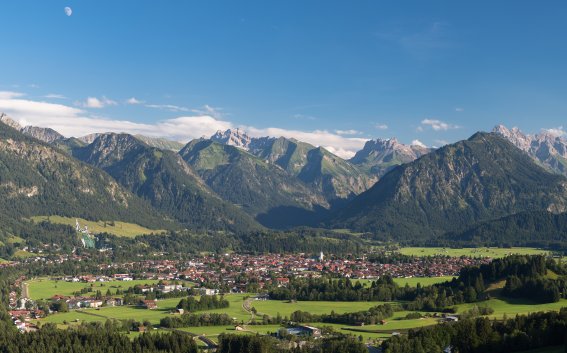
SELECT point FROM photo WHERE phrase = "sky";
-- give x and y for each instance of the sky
(332, 73)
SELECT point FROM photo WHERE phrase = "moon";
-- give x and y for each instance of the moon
(68, 11)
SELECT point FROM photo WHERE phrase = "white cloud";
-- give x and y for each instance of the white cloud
(344, 147)
(556, 131)
(133, 101)
(381, 126)
(347, 132)
(418, 143)
(438, 125)
(55, 96)
(10, 95)
(459, 110)
(170, 107)
(210, 111)
(72, 121)
(94, 102)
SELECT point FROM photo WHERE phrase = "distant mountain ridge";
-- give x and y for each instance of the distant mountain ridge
(381, 155)
(43, 134)
(333, 177)
(548, 149)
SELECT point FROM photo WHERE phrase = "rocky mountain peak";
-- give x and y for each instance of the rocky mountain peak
(10, 122)
(44, 134)
(232, 137)
(381, 155)
(545, 147)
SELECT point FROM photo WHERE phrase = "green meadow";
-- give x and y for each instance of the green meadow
(285, 308)
(511, 307)
(121, 229)
(45, 288)
(471, 252)
(411, 281)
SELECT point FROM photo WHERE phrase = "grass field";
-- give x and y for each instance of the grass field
(412, 281)
(154, 316)
(45, 288)
(511, 307)
(121, 229)
(22, 254)
(273, 307)
(472, 252)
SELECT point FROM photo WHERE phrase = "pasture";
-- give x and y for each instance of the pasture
(120, 229)
(511, 307)
(471, 252)
(285, 308)
(45, 288)
(411, 281)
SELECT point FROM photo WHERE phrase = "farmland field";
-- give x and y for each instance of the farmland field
(140, 314)
(472, 252)
(411, 281)
(273, 307)
(511, 307)
(45, 288)
(121, 229)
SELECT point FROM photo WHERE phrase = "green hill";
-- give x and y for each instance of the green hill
(263, 190)
(36, 178)
(451, 189)
(166, 181)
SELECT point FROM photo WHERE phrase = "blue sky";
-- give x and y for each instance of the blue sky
(331, 72)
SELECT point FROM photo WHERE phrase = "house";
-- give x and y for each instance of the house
(149, 304)
(166, 288)
(264, 296)
(207, 291)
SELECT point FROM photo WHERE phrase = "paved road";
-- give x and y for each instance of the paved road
(373, 349)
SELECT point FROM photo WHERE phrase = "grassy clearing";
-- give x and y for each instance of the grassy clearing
(284, 308)
(511, 307)
(22, 254)
(140, 314)
(121, 229)
(472, 252)
(412, 281)
(45, 288)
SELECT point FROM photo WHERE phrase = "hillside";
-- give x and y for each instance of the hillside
(330, 175)
(479, 179)
(261, 189)
(165, 180)
(37, 179)
(538, 228)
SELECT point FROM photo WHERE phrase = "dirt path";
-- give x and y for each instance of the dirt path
(247, 306)
(25, 290)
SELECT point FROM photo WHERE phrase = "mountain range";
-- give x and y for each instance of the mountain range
(232, 182)
(548, 149)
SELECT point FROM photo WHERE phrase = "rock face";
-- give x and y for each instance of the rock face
(381, 155)
(548, 149)
(482, 178)
(43, 134)
(236, 138)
